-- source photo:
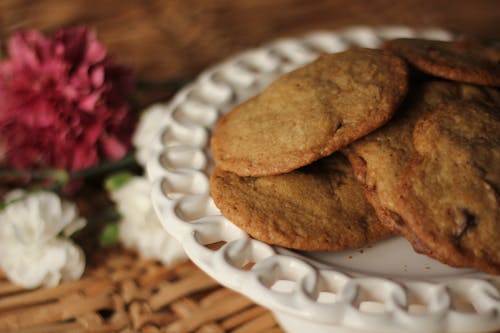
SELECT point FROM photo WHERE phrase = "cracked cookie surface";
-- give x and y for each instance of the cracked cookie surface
(450, 193)
(311, 112)
(318, 207)
(379, 158)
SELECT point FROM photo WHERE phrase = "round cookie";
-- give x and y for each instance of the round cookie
(316, 208)
(379, 158)
(311, 112)
(463, 61)
(449, 196)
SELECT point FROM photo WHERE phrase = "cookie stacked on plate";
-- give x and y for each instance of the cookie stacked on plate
(423, 154)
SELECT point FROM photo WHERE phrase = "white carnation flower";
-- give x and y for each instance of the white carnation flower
(34, 248)
(147, 130)
(140, 228)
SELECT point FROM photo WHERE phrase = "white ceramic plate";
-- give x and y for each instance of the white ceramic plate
(383, 288)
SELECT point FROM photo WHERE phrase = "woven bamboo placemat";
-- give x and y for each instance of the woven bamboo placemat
(121, 292)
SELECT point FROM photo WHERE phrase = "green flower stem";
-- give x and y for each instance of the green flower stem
(127, 162)
(47, 174)
(59, 177)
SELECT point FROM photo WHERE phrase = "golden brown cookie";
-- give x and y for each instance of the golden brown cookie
(311, 112)
(463, 61)
(379, 158)
(449, 196)
(318, 207)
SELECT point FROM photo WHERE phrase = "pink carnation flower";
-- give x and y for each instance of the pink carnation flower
(63, 102)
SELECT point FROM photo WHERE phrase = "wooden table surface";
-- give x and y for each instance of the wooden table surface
(168, 40)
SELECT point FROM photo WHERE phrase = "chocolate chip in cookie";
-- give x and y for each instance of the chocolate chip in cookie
(379, 158)
(449, 195)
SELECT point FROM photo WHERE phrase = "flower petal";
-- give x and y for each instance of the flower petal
(88, 102)
(58, 95)
(23, 47)
(140, 227)
(97, 76)
(31, 254)
(112, 148)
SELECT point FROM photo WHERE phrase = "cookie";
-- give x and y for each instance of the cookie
(463, 61)
(311, 112)
(449, 196)
(318, 207)
(379, 158)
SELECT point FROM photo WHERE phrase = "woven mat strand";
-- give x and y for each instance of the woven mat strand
(124, 293)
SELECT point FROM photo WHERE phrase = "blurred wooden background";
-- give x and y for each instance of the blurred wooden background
(171, 39)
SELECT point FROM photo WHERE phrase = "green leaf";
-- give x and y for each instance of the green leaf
(118, 180)
(109, 235)
(58, 175)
